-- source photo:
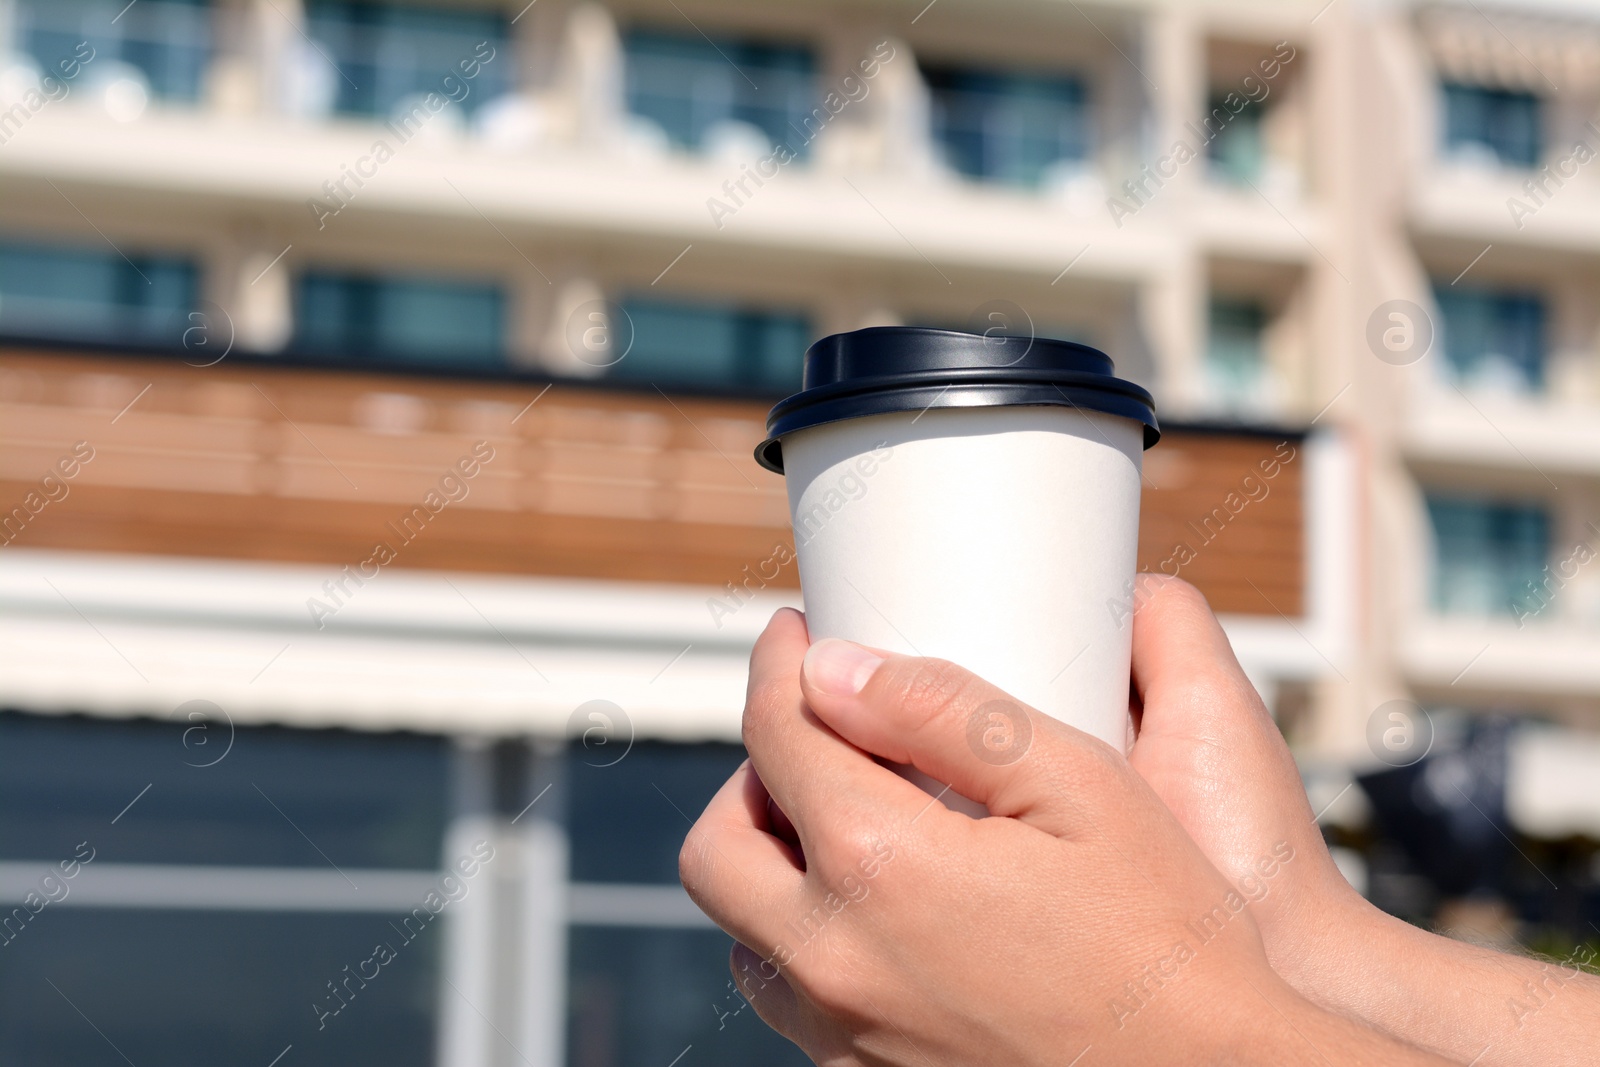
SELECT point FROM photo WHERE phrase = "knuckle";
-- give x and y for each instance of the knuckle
(1222, 689)
(1177, 594)
(764, 700)
(858, 850)
(924, 690)
(694, 861)
(826, 988)
(850, 843)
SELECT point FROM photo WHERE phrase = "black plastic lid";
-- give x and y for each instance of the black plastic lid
(908, 368)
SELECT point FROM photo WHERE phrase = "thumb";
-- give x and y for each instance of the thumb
(1203, 722)
(957, 728)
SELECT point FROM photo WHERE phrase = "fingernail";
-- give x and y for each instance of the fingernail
(840, 668)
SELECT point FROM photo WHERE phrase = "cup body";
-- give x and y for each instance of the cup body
(1000, 538)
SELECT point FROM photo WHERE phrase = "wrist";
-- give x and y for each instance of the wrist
(1273, 1025)
(1319, 932)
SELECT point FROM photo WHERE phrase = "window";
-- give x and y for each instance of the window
(366, 801)
(1235, 152)
(1235, 369)
(645, 984)
(1493, 339)
(1487, 554)
(246, 978)
(352, 318)
(1011, 128)
(1495, 123)
(694, 89)
(640, 996)
(388, 55)
(218, 858)
(714, 346)
(91, 295)
(167, 42)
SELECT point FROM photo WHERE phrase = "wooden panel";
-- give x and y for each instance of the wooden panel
(1225, 512)
(261, 462)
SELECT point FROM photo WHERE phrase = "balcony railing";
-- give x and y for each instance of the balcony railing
(247, 460)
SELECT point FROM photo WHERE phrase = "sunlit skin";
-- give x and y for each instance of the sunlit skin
(1081, 919)
(1210, 750)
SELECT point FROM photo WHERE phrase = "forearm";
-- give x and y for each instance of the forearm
(1471, 1004)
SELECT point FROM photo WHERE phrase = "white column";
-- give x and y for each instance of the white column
(580, 339)
(234, 81)
(541, 1008)
(900, 110)
(467, 986)
(249, 279)
(1174, 303)
(589, 79)
(533, 307)
(295, 77)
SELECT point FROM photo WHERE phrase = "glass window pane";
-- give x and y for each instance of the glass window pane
(353, 318)
(1489, 557)
(638, 997)
(1235, 360)
(1235, 151)
(363, 800)
(688, 85)
(420, 320)
(387, 53)
(167, 42)
(1493, 339)
(90, 295)
(628, 819)
(1012, 128)
(1498, 123)
(198, 988)
(714, 346)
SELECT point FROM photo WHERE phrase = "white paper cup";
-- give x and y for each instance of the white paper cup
(1002, 538)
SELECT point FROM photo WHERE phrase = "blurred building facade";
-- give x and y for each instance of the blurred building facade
(379, 384)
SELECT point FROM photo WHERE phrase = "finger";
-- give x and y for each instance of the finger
(781, 828)
(816, 778)
(765, 990)
(1192, 690)
(1184, 671)
(737, 872)
(955, 727)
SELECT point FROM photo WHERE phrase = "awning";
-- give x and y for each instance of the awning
(432, 651)
(1538, 51)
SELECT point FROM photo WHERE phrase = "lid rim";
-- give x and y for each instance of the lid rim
(844, 379)
(888, 384)
(769, 453)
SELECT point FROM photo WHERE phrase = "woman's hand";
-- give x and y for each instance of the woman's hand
(1210, 750)
(1079, 924)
